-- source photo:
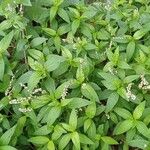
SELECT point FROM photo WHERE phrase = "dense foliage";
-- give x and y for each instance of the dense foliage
(74, 75)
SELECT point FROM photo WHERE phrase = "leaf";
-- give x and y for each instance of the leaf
(6, 137)
(38, 41)
(40, 101)
(89, 92)
(53, 11)
(26, 2)
(5, 42)
(53, 62)
(53, 115)
(77, 103)
(49, 31)
(109, 140)
(76, 140)
(125, 114)
(122, 92)
(112, 101)
(34, 80)
(19, 129)
(123, 126)
(91, 110)
(64, 141)
(138, 111)
(123, 65)
(139, 34)
(39, 140)
(44, 130)
(84, 139)
(75, 25)
(64, 15)
(140, 143)
(2, 68)
(73, 119)
(130, 50)
(7, 148)
(130, 78)
(58, 131)
(142, 128)
(50, 145)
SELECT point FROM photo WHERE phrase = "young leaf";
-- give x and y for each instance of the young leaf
(50, 145)
(89, 92)
(109, 140)
(53, 11)
(39, 140)
(38, 41)
(112, 101)
(84, 139)
(73, 119)
(138, 111)
(5, 42)
(76, 140)
(130, 50)
(7, 148)
(64, 141)
(123, 126)
(75, 25)
(2, 68)
(123, 113)
(6, 137)
(64, 15)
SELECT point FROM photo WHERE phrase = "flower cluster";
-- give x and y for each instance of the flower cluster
(144, 84)
(129, 93)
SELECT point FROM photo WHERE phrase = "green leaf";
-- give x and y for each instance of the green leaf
(2, 68)
(112, 101)
(53, 11)
(75, 25)
(109, 140)
(58, 131)
(130, 78)
(76, 140)
(34, 80)
(39, 140)
(7, 148)
(122, 92)
(64, 15)
(19, 128)
(139, 34)
(6, 137)
(53, 115)
(73, 119)
(50, 145)
(91, 110)
(123, 113)
(138, 111)
(5, 42)
(84, 139)
(142, 128)
(123, 65)
(64, 141)
(123, 126)
(140, 143)
(44, 130)
(89, 92)
(25, 2)
(130, 50)
(53, 62)
(77, 102)
(38, 41)
(49, 31)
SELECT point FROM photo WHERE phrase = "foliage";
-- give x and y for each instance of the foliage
(74, 75)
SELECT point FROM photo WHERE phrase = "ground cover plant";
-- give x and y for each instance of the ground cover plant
(74, 75)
